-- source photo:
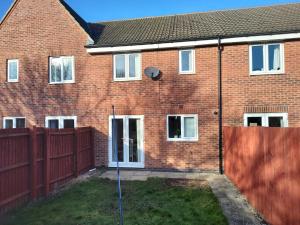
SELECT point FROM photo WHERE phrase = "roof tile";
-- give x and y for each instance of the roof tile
(198, 26)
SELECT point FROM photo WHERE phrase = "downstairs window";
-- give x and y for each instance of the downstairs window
(266, 120)
(13, 122)
(61, 122)
(182, 127)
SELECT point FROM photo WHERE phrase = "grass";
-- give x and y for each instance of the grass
(154, 202)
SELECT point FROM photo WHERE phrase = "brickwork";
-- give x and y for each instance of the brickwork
(33, 34)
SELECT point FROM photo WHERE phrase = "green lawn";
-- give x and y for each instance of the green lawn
(155, 202)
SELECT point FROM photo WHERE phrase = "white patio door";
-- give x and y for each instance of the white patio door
(129, 141)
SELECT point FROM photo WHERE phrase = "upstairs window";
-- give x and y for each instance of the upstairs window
(62, 70)
(266, 59)
(13, 70)
(13, 122)
(127, 67)
(182, 127)
(187, 61)
(61, 122)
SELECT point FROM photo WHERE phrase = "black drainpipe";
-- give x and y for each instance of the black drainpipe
(220, 49)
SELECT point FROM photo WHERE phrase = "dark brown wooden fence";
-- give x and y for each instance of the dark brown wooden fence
(264, 163)
(33, 162)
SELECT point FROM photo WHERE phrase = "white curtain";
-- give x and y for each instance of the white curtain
(189, 127)
(276, 58)
(120, 66)
(55, 69)
(134, 65)
(67, 68)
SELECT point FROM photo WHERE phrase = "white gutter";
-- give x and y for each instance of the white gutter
(275, 37)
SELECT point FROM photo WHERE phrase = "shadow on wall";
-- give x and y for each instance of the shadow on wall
(189, 97)
(34, 98)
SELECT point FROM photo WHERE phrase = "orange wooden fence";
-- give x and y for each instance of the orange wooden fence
(264, 163)
(33, 162)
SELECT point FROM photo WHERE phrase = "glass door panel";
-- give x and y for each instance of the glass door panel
(127, 141)
(134, 131)
(118, 142)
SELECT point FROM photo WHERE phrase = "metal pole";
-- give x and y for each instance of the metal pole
(115, 147)
(220, 49)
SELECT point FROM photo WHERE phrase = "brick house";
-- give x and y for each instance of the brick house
(58, 71)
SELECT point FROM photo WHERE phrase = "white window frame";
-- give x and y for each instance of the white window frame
(182, 116)
(60, 120)
(266, 70)
(265, 116)
(125, 119)
(193, 69)
(8, 73)
(14, 119)
(62, 80)
(127, 77)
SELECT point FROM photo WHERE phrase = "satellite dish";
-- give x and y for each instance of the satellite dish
(152, 72)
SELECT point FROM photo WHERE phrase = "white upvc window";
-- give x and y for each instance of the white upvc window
(127, 67)
(266, 59)
(187, 61)
(62, 70)
(12, 70)
(14, 122)
(182, 127)
(61, 122)
(266, 120)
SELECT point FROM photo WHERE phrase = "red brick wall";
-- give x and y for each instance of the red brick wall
(32, 34)
(267, 93)
(172, 94)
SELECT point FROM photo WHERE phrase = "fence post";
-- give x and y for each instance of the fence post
(76, 153)
(33, 148)
(47, 161)
(92, 154)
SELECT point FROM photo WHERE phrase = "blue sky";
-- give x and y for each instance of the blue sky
(102, 10)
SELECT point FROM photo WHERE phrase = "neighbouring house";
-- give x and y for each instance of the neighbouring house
(59, 71)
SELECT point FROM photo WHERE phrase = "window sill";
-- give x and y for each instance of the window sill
(12, 81)
(182, 140)
(126, 80)
(187, 73)
(267, 73)
(53, 83)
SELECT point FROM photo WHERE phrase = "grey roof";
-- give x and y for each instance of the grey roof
(198, 26)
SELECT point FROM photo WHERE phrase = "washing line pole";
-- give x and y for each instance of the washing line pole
(114, 142)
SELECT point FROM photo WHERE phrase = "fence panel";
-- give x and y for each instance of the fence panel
(264, 164)
(40, 160)
(85, 153)
(14, 167)
(61, 156)
(35, 161)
